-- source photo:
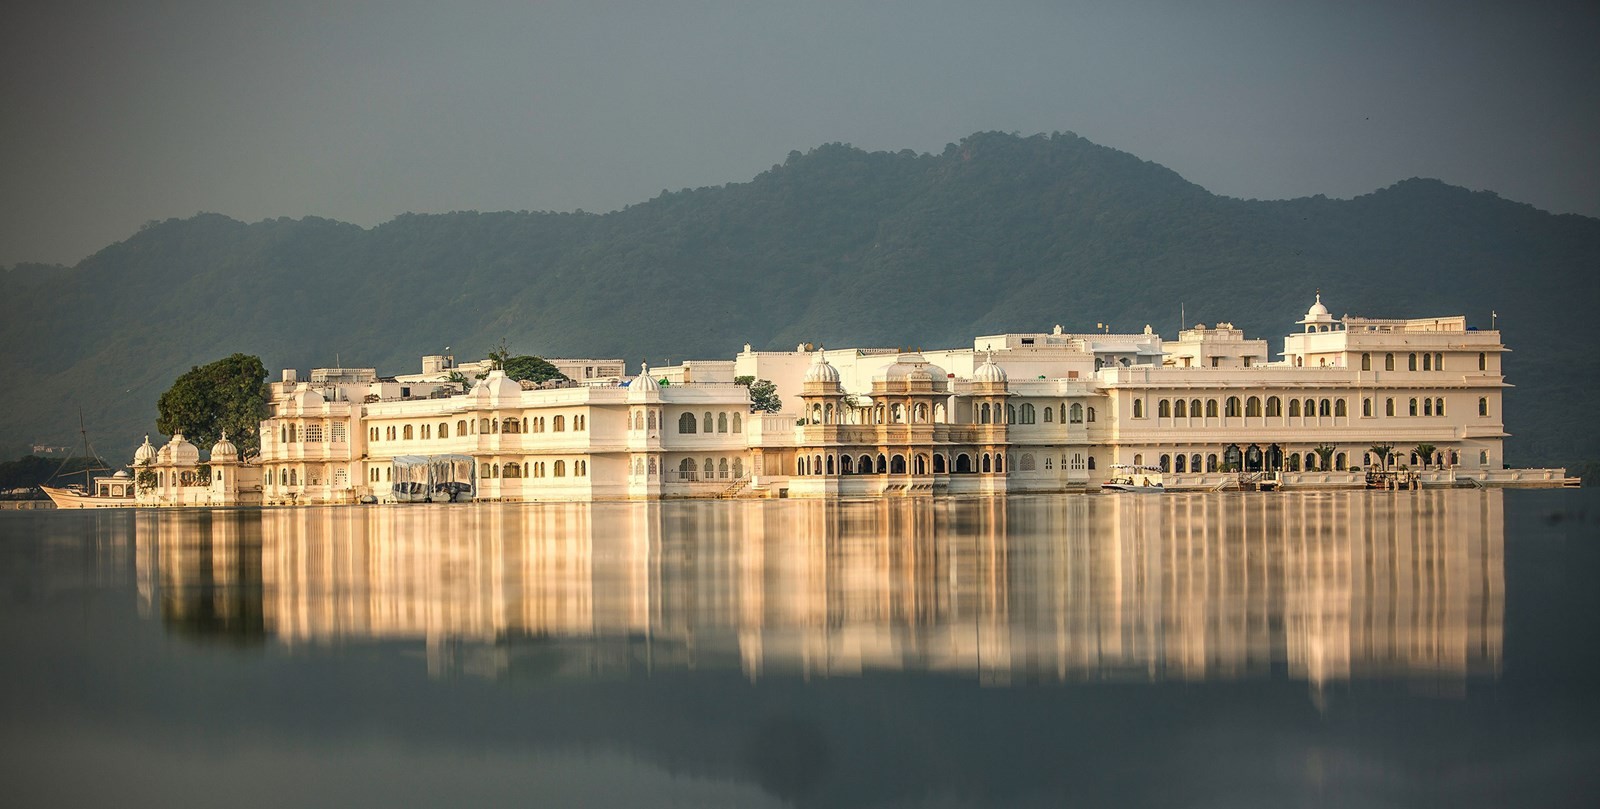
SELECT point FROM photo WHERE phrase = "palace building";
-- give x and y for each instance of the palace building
(1028, 412)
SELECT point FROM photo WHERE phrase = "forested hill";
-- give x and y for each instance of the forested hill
(836, 246)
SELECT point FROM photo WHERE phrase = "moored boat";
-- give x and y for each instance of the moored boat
(1133, 478)
(116, 491)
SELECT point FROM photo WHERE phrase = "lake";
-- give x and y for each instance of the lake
(1210, 650)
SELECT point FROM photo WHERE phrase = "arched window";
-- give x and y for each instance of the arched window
(1164, 409)
(1091, 462)
(461, 427)
(650, 419)
(512, 471)
(1339, 409)
(1411, 362)
(293, 439)
(1274, 406)
(921, 465)
(558, 424)
(963, 464)
(1180, 409)
(738, 423)
(705, 422)
(983, 413)
(897, 465)
(686, 424)
(1076, 413)
(638, 420)
(1366, 408)
(1194, 463)
(1138, 408)
(938, 464)
(1048, 415)
(686, 467)
(1027, 413)
(1388, 362)
(986, 465)
(1211, 408)
(1413, 407)
(1294, 408)
(1388, 407)
(1211, 462)
(1438, 407)
(1138, 459)
(1252, 407)
(709, 468)
(1483, 406)
(722, 422)
(444, 429)
(1427, 362)
(1231, 410)
(1325, 408)
(405, 432)
(1090, 417)
(1180, 463)
(883, 464)
(1025, 463)
(1011, 414)
(483, 470)
(1166, 463)
(864, 465)
(1427, 406)
(722, 466)
(897, 413)
(922, 412)
(738, 466)
(1339, 461)
(1483, 361)
(1294, 462)
(1366, 361)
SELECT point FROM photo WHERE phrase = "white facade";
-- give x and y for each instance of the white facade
(1016, 412)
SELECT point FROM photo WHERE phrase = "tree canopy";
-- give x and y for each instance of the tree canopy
(227, 395)
(763, 394)
(523, 367)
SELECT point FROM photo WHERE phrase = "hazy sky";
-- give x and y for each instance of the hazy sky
(116, 113)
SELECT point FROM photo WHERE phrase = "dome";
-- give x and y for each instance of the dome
(122, 474)
(989, 372)
(497, 385)
(224, 450)
(911, 367)
(643, 385)
(180, 452)
(1317, 313)
(821, 371)
(145, 454)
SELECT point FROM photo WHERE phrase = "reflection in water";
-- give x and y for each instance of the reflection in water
(1320, 586)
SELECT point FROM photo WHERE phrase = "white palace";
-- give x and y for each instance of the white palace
(1036, 412)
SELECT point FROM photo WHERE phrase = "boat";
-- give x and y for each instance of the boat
(115, 491)
(433, 479)
(1134, 478)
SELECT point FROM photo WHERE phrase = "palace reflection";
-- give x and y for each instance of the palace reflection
(1319, 587)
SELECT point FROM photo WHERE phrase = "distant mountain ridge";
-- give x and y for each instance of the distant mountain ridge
(836, 246)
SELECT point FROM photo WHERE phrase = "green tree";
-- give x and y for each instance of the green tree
(1324, 455)
(522, 366)
(763, 394)
(1425, 452)
(1381, 452)
(227, 395)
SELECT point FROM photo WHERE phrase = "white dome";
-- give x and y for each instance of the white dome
(224, 450)
(497, 385)
(643, 385)
(122, 474)
(910, 367)
(821, 371)
(1317, 311)
(145, 454)
(180, 452)
(988, 371)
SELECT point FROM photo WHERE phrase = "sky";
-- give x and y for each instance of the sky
(118, 113)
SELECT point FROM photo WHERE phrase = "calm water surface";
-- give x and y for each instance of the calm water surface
(1316, 649)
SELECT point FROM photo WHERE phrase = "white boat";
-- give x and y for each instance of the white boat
(116, 491)
(1133, 478)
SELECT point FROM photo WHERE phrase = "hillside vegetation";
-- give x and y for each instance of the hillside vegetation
(836, 246)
